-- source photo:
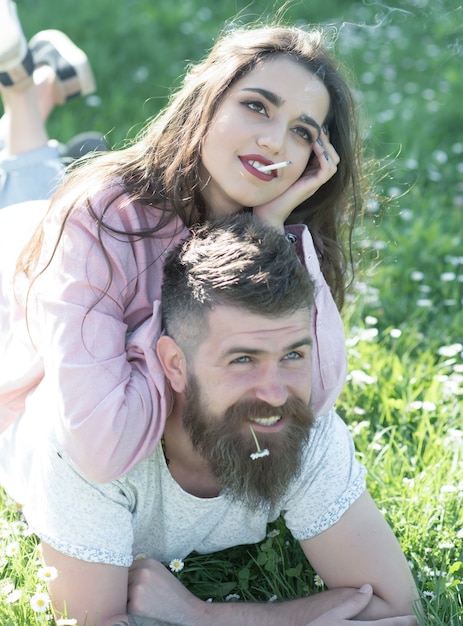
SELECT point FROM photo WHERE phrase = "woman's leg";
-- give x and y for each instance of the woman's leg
(22, 125)
(34, 79)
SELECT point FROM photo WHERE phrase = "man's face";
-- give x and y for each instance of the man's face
(251, 371)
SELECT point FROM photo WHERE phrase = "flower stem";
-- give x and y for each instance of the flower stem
(255, 438)
(260, 453)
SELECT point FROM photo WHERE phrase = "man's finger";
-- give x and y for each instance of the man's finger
(355, 604)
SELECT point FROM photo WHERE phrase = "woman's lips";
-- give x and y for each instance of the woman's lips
(251, 163)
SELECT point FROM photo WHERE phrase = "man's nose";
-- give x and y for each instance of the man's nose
(270, 387)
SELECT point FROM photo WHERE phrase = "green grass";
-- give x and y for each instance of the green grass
(404, 321)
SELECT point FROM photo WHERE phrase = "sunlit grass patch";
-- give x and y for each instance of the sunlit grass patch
(403, 404)
(23, 594)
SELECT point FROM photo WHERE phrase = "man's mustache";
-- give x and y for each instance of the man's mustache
(246, 410)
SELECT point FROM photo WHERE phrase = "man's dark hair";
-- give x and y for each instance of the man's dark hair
(235, 261)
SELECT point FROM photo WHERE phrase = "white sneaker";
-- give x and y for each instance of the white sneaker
(16, 65)
(13, 44)
(74, 76)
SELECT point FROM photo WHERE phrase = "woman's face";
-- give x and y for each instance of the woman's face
(272, 114)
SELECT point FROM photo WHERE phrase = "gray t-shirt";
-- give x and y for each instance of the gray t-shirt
(146, 512)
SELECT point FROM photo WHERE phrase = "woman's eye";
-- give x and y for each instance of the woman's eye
(255, 105)
(304, 133)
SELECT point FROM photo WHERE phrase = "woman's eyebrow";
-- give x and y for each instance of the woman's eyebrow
(277, 101)
(310, 121)
(269, 95)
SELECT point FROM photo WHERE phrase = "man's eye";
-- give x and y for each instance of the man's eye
(293, 356)
(241, 359)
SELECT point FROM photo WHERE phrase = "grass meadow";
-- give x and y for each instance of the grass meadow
(404, 320)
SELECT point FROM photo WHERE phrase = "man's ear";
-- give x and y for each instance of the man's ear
(173, 362)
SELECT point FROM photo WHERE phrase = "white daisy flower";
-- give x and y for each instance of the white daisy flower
(47, 574)
(12, 548)
(260, 453)
(14, 596)
(232, 597)
(176, 565)
(40, 602)
(318, 582)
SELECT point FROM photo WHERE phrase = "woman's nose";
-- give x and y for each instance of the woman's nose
(272, 138)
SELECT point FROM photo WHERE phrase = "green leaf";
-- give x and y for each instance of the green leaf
(294, 571)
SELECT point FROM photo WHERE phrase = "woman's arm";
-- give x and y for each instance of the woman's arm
(329, 358)
(322, 166)
(106, 394)
(329, 361)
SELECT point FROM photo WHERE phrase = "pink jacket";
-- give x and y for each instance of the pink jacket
(92, 367)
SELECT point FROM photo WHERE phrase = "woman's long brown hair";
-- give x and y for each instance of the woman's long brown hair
(162, 167)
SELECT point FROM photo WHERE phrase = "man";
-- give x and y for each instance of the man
(240, 447)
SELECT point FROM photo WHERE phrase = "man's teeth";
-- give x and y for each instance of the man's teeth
(267, 421)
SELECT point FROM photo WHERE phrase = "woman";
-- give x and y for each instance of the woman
(263, 96)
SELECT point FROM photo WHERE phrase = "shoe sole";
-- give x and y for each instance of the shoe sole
(76, 79)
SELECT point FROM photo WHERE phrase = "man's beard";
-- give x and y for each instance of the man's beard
(226, 446)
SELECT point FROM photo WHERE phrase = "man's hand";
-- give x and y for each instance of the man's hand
(155, 592)
(351, 607)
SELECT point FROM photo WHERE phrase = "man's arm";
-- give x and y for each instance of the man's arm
(361, 548)
(340, 616)
(96, 594)
(155, 593)
(87, 592)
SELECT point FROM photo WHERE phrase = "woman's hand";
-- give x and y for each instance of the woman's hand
(322, 166)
